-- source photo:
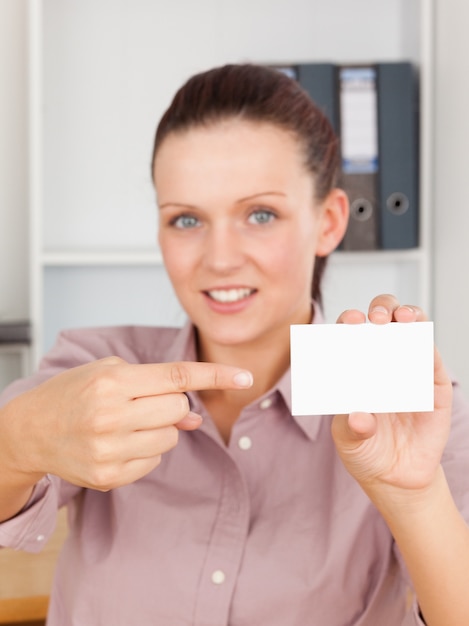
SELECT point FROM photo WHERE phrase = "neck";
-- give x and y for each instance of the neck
(266, 359)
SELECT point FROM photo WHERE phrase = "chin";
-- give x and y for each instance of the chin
(233, 335)
(226, 334)
(228, 339)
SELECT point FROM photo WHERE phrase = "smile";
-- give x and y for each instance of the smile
(230, 295)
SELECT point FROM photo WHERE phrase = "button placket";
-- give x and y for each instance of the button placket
(225, 550)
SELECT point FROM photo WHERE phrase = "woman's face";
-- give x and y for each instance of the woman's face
(239, 228)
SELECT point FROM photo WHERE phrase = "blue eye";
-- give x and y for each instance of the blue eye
(261, 216)
(185, 222)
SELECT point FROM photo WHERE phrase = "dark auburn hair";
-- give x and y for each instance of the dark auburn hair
(263, 94)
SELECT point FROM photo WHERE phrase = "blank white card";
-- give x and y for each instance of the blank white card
(377, 368)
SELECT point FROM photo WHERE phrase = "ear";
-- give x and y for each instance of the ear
(334, 220)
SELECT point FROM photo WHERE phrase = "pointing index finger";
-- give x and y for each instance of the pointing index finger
(178, 377)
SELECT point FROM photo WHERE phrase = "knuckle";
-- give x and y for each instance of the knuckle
(183, 404)
(100, 453)
(111, 360)
(173, 438)
(216, 378)
(179, 376)
(389, 298)
(102, 384)
(99, 422)
(102, 477)
(106, 379)
(168, 438)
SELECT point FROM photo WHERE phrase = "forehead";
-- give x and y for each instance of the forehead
(229, 147)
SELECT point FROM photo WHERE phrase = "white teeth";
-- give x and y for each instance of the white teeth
(229, 295)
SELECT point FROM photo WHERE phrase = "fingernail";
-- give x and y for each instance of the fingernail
(380, 309)
(194, 417)
(243, 379)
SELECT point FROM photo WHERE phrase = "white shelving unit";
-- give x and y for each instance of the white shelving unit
(101, 74)
(14, 303)
(15, 358)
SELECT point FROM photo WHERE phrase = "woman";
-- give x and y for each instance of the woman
(194, 495)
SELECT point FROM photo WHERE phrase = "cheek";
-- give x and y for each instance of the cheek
(298, 273)
(175, 258)
(289, 270)
(296, 253)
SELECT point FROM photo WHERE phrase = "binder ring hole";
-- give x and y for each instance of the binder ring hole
(397, 203)
(361, 209)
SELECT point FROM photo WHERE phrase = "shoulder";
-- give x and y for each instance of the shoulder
(136, 344)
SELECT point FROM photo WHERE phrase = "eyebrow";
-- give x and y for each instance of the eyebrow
(177, 204)
(245, 199)
(262, 193)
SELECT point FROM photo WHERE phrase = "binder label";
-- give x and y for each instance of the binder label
(358, 120)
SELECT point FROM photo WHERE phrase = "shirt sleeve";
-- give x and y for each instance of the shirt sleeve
(413, 617)
(455, 462)
(33, 526)
(455, 459)
(71, 349)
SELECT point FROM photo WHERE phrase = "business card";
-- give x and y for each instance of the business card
(377, 368)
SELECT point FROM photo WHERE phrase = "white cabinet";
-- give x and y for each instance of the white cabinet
(101, 75)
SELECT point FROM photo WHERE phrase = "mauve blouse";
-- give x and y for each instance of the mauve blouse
(268, 530)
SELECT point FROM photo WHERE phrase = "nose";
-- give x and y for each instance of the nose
(224, 249)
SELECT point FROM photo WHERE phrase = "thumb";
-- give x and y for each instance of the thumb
(190, 422)
(349, 431)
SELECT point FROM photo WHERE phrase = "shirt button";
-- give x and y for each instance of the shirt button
(266, 403)
(218, 577)
(245, 443)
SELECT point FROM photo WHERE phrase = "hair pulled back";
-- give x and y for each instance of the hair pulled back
(262, 94)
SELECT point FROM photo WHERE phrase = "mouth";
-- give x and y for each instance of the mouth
(228, 296)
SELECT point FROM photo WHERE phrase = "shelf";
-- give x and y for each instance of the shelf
(102, 258)
(378, 256)
(65, 258)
